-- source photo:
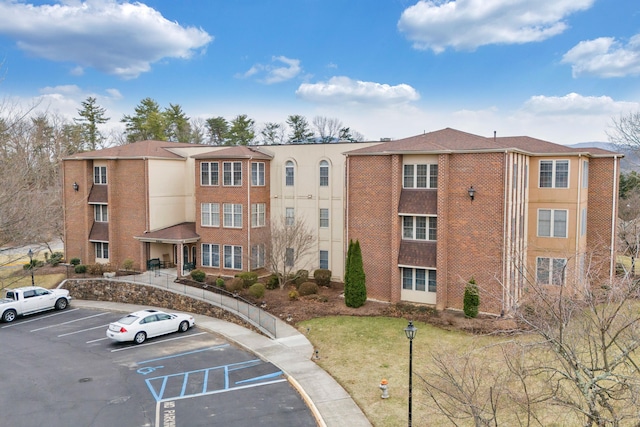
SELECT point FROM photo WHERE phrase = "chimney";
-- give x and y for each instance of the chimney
(494, 136)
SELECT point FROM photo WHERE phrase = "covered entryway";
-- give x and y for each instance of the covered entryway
(171, 247)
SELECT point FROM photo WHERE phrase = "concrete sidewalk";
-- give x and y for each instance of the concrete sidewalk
(291, 352)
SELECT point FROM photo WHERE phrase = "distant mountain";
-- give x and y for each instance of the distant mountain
(629, 162)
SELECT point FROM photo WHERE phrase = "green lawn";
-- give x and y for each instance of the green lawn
(360, 351)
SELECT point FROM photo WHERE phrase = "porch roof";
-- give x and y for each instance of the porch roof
(179, 233)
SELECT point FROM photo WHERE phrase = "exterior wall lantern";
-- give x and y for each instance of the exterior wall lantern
(472, 192)
(75, 186)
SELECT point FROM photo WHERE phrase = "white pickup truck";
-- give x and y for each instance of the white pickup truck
(32, 299)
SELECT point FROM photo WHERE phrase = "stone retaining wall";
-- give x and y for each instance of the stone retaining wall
(133, 293)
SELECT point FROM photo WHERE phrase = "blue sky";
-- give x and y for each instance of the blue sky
(558, 70)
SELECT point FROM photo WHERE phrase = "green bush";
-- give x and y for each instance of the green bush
(33, 264)
(198, 275)
(127, 264)
(293, 295)
(80, 269)
(308, 288)
(248, 278)
(471, 299)
(220, 282)
(234, 285)
(323, 277)
(55, 258)
(301, 276)
(75, 261)
(272, 282)
(355, 290)
(256, 290)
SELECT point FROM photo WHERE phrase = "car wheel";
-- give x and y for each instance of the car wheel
(140, 338)
(9, 316)
(184, 326)
(61, 304)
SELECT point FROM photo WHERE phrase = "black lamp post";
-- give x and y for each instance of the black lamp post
(410, 331)
(30, 253)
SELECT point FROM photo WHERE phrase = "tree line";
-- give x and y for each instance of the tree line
(152, 122)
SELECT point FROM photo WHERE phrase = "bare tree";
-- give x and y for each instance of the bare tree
(327, 129)
(625, 131)
(592, 329)
(291, 242)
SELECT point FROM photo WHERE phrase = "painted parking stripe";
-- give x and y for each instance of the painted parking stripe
(158, 385)
(83, 330)
(36, 319)
(216, 347)
(68, 322)
(156, 342)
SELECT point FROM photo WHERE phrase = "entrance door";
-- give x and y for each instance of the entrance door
(193, 256)
(185, 255)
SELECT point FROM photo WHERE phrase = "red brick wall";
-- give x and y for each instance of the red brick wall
(600, 215)
(472, 244)
(470, 234)
(371, 211)
(77, 215)
(128, 206)
(237, 195)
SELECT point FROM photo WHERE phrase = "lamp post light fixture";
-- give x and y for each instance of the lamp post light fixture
(410, 332)
(30, 253)
(472, 192)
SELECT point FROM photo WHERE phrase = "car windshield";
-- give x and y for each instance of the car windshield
(127, 320)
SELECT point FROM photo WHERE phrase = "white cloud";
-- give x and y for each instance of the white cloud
(275, 72)
(340, 89)
(117, 38)
(575, 104)
(605, 57)
(468, 24)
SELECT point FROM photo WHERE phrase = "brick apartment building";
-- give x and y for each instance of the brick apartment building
(430, 211)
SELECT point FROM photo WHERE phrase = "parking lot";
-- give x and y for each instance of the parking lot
(60, 369)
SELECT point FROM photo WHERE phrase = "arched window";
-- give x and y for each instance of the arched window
(288, 170)
(324, 173)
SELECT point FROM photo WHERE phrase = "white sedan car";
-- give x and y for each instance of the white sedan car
(143, 324)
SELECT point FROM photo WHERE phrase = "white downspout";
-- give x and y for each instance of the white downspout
(249, 215)
(614, 216)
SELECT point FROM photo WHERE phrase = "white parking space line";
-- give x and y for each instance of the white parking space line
(99, 339)
(84, 330)
(36, 319)
(70, 321)
(157, 342)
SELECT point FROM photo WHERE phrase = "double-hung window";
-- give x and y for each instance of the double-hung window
(232, 174)
(552, 223)
(324, 218)
(257, 214)
(210, 214)
(257, 256)
(288, 173)
(100, 213)
(257, 174)
(550, 271)
(289, 216)
(419, 228)
(324, 173)
(233, 257)
(209, 173)
(554, 173)
(99, 174)
(420, 176)
(419, 279)
(324, 260)
(210, 255)
(232, 215)
(102, 250)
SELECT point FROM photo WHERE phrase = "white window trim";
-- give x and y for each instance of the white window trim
(551, 272)
(260, 174)
(102, 215)
(211, 214)
(554, 169)
(413, 279)
(258, 214)
(211, 174)
(233, 251)
(211, 257)
(231, 215)
(414, 184)
(552, 222)
(322, 218)
(413, 230)
(233, 166)
(102, 175)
